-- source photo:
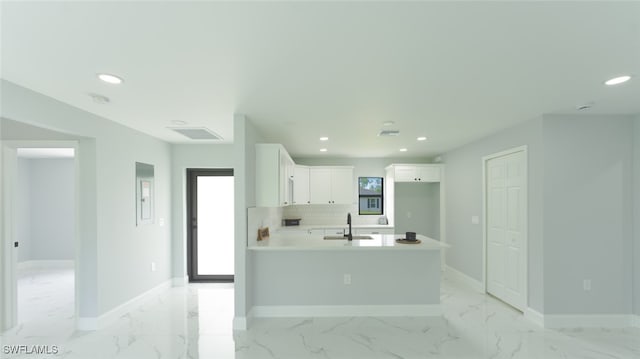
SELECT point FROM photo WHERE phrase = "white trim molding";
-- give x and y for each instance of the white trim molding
(283, 311)
(46, 264)
(240, 323)
(587, 321)
(96, 323)
(459, 277)
(180, 281)
(534, 317)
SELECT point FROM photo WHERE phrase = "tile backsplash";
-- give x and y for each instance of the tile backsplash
(258, 217)
(327, 214)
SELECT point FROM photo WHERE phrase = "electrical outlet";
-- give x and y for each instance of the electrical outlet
(475, 220)
(347, 279)
(586, 285)
(153, 266)
(408, 214)
(161, 222)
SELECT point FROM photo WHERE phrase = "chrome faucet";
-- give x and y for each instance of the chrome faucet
(349, 235)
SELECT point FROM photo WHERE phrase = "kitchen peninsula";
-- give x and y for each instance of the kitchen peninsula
(305, 275)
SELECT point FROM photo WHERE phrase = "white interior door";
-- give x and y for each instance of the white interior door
(506, 212)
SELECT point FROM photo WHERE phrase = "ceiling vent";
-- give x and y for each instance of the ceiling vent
(386, 133)
(197, 133)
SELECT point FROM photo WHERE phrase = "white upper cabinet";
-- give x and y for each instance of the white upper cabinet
(331, 185)
(301, 185)
(274, 176)
(417, 173)
(342, 185)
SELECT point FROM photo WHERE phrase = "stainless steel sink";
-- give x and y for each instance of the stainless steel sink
(343, 237)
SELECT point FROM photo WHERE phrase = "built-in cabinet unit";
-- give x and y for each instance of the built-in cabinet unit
(331, 185)
(301, 185)
(280, 182)
(417, 172)
(415, 199)
(274, 176)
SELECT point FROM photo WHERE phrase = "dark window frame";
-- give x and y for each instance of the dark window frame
(368, 196)
(192, 215)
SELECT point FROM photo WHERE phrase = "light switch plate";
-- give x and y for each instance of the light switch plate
(475, 220)
(161, 222)
(153, 266)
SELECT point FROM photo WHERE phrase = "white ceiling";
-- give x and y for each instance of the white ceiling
(453, 72)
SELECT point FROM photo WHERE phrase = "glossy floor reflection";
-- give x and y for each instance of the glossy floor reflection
(195, 322)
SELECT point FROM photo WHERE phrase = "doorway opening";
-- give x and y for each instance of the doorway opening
(505, 226)
(44, 227)
(210, 225)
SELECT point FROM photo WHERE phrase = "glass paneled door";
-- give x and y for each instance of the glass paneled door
(210, 218)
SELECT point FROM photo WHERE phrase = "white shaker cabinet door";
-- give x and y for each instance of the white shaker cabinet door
(320, 185)
(301, 185)
(342, 186)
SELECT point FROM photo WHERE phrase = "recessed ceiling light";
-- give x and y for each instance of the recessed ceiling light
(111, 79)
(179, 122)
(323, 150)
(324, 138)
(403, 150)
(617, 80)
(421, 138)
(388, 123)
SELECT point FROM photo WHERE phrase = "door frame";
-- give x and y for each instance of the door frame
(525, 237)
(191, 204)
(9, 316)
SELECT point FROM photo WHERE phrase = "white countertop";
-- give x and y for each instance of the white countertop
(293, 241)
(325, 226)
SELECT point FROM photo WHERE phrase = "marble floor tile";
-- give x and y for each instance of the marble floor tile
(195, 322)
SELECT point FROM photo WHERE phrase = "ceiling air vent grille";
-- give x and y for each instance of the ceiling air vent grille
(385, 133)
(197, 133)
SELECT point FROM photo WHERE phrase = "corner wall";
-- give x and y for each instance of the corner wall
(110, 246)
(244, 156)
(636, 216)
(463, 197)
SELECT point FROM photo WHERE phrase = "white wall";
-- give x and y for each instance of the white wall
(463, 198)
(587, 214)
(183, 157)
(244, 156)
(580, 208)
(417, 208)
(636, 214)
(46, 209)
(110, 247)
(23, 229)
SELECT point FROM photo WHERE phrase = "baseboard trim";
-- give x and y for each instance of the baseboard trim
(180, 281)
(240, 323)
(100, 322)
(462, 278)
(46, 264)
(587, 321)
(534, 316)
(635, 321)
(275, 311)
